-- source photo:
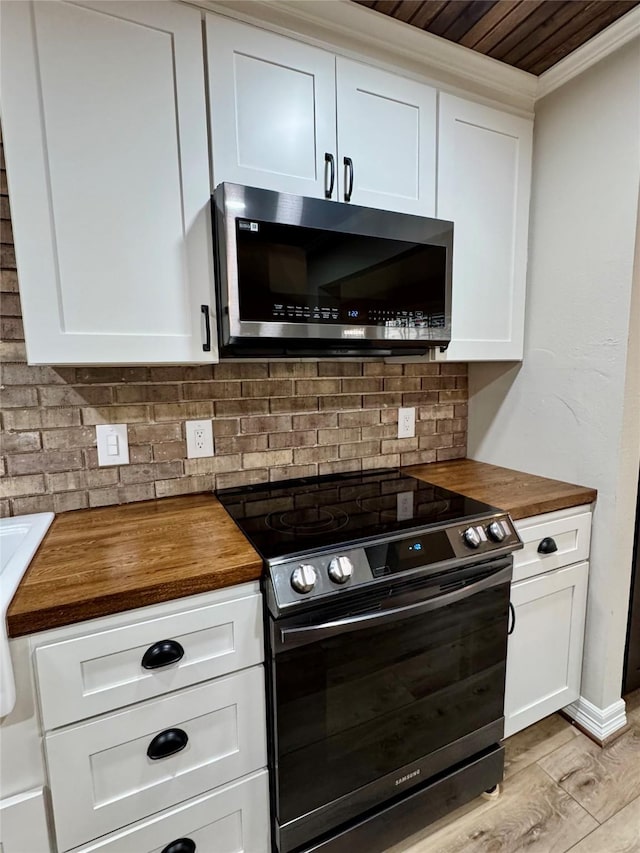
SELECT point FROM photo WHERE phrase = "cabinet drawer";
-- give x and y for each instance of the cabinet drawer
(232, 819)
(98, 672)
(103, 777)
(570, 530)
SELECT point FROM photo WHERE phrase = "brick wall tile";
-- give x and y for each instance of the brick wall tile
(13, 487)
(11, 329)
(25, 506)
(267, 388)
(8, 281)
(341, 466)
(339, 436)
(169, 450)
(339, 368)
(213, 464)
(418, 457)
(391, 460)
(102, 477)
(12, 351)
(20, 442)
(242, 478)
(241, 443)
(111, 375)
(338, 403)
(79, 395)
(382, 401)
(19, 398)
(379, 368)
(132, 474)
(398, 445)
(353, 419)
(41, 418)
(227, 427)
(435, 442)
(310, 455)
(293, 404)
(5, 508)
(158, 393)
(233, 408)
(154, 433)
(269, 423)
(184, 486)
(211, 390)
(317, 420)
(116, 415)
(294, 438)
(267, 459)
(419, 398)
(291, 472)
(67, 501)
(379, 432)
(69, 438)
(11, 305)
(363, 385)
(240, 370)
(359, 450)
(292, 369)
(44, 461)
(444, 454)
(457, 396)
(422, 369)
(182, 411)
(403, 383)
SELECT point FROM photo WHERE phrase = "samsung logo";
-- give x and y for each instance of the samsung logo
(407, 777)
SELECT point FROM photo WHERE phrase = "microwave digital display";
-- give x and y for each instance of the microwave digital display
(298, 274)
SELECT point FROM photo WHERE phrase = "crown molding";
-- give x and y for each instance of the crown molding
(606, 42)
(362, 33)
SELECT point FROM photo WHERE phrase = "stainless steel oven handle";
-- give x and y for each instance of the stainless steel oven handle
(326, 630)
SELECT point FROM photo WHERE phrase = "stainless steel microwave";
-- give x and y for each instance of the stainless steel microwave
(309, 277)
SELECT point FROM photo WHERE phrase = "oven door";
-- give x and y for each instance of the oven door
(383, 693)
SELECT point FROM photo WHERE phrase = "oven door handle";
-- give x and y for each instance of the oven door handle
(290, 637)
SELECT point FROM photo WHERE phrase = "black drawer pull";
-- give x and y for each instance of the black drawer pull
(167, 743)
(329, 160)
(182, 845)
(348, 167)
(512, 619)
(162, 653)
(547, 546)
(206, 346)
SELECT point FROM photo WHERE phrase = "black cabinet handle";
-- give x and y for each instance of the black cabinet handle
(512, 618)
(167, 743)
(348, 166)
(162, 654)
(206, 346)
(547, 546)
(329, 159)
(182, 845)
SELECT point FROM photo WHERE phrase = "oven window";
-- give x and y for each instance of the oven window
(355, 707)
(295, 274)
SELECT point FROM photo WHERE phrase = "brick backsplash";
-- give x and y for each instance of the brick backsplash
(271, 421)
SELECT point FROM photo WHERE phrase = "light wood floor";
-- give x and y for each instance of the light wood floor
(561, 792)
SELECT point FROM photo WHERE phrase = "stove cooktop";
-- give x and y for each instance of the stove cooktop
(296, 516)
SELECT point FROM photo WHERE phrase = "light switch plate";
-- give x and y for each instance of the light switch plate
(199, 439)
(113, 444)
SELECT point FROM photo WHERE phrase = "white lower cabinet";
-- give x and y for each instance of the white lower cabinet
(231, 819)
(23, 823)
(170, 758)
(548, 606)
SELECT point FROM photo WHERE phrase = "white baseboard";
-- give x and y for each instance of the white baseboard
(601, 723)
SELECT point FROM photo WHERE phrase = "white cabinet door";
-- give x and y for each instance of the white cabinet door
(544, 657)
(387, 130)
(272, 109)
(484, 179)
(104, 124)
(23, 823)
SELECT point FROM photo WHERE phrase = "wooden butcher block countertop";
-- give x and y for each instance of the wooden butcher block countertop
(519, 494)
(96, 562)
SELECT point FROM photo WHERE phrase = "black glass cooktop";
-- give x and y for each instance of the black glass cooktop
(294, 516)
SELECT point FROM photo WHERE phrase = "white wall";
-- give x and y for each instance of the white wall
(571, 410)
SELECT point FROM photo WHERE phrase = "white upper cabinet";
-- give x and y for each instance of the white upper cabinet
(104, 124)
(290, 117)
(273, 107)
(484, 178)
(386, 139)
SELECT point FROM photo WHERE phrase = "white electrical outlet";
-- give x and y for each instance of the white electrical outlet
(406, 423)
(199, 439)
(113, 444)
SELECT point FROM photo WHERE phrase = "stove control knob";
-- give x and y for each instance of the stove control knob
(471, 537)
(340, 569)
(496, 531)
(304, 578)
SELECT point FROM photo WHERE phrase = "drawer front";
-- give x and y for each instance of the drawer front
(570, 531)
(98, 672)
(106, 773)
(231, 819)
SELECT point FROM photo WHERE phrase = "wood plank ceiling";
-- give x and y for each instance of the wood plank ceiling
(529, 34)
